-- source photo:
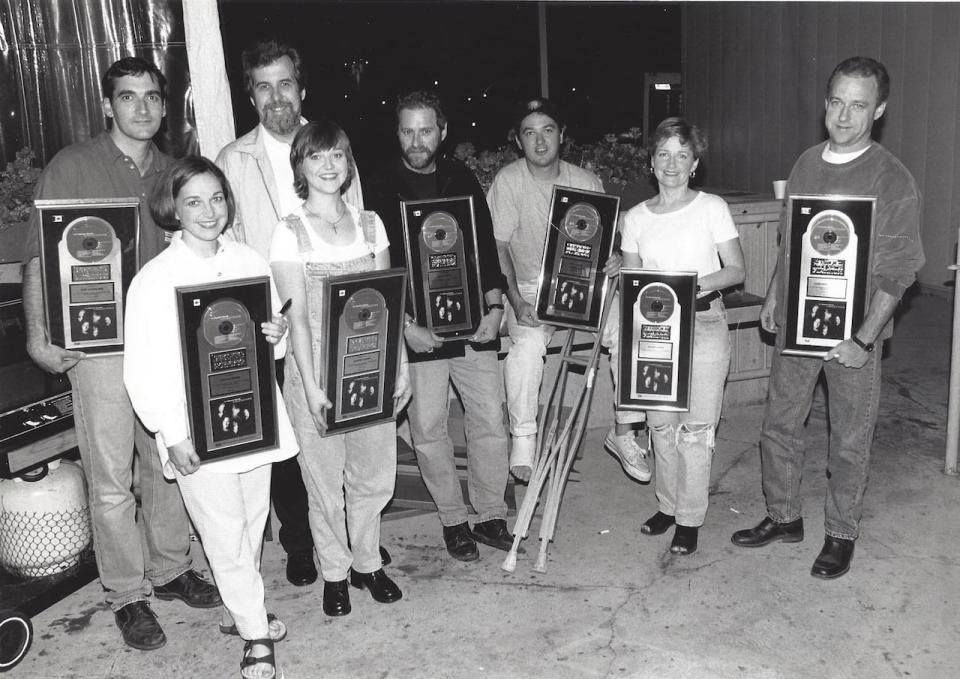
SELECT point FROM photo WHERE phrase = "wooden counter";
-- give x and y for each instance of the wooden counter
(757, 217)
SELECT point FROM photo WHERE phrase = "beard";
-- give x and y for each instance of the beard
(283, 121)
(420, 158)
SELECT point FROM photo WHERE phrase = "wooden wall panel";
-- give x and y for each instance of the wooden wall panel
(754, 77)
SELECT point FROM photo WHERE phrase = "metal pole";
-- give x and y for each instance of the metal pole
(953, 401)
(544, 68)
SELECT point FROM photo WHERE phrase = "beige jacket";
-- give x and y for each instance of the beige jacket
(247, 166)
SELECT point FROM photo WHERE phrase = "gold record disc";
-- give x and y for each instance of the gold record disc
(226, 323)
(581, 222)
(656, 303)
(364, 309)
(830, 232)
(440, 231)
(89, 239)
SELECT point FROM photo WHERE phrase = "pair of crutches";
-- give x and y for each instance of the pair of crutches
(557, 444)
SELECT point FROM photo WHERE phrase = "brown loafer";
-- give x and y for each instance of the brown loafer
(139, 626)
(834, 559)
(381, 587)
(191, 589)
(493, 533)
(768, 531)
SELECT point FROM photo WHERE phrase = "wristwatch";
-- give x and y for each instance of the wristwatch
(860, 343)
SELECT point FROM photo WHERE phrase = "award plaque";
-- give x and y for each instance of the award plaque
(657, 314)
(440, 240)
(89, 255)
(360, 353)
(572, 285)
(228, 367)
(828, 260)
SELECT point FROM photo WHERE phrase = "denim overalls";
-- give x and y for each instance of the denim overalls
(349, 477)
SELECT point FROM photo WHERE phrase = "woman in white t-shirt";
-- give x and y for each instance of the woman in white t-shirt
(682, 229)
(349, 477)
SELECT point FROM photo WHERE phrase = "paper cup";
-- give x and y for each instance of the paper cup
(780, 189)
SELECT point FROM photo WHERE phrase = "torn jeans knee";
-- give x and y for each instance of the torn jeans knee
(696, 434)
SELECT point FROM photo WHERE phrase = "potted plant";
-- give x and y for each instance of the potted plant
(620, 161)
(18, 182)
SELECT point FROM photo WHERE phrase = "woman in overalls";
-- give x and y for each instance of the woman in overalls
(349, 477)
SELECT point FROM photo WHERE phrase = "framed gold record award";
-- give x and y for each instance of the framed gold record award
(572, 285)
(360, 354)
(88, 256)
(440, 241)
(228, 367)
(657, 315)
(829, 257)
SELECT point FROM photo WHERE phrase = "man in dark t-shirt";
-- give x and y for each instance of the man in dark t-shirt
(471, 365)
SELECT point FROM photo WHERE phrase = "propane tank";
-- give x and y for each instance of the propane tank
(44, 520)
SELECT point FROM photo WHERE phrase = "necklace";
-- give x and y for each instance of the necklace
(324, 221)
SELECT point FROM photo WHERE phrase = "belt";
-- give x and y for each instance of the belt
(703, 303)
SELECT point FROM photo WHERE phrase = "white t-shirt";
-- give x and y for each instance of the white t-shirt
(279, 154)
(684, 240)
(285, 249)
(520, 208)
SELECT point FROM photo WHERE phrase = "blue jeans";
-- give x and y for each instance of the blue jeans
(476, 377)
(684, 442)
(349, 477)
(107, 430)
(853, 398)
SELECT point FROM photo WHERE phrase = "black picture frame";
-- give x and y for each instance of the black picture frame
(440, 244)
(657, 324)
(228, 367)
(572, 286)
(360, 353)
(89, 253)
(829, 260)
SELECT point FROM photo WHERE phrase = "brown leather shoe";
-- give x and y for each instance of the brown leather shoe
(460, 542)
(493, 533)
(336, 598)
(381, 587)
(768, 531)
(191, 589)
(139, 626)
(301, 570)
(834, 559)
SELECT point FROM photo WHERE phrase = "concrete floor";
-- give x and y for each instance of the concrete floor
(615, 603)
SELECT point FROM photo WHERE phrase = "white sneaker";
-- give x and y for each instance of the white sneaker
(630, 453)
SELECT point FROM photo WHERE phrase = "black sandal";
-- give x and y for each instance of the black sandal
(271, 619)
(684, 540)
(268, 659)
(657, 524)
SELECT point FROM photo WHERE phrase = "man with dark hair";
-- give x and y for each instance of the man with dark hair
(119, 163)
(849, 163)
(258, 168)
(520, 204)
(421, 173)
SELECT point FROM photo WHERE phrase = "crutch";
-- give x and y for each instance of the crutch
(555, 453)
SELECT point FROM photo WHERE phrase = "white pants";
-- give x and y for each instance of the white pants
(523, 368)
(230, 512)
